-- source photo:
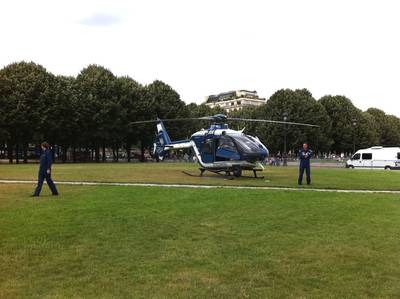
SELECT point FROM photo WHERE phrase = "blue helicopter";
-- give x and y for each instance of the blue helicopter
(218, 149)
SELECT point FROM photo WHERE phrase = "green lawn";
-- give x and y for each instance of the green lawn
(124, 242)
(332, 178)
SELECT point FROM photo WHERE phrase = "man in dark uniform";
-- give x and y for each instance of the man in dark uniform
(305, 155)
(45, 171)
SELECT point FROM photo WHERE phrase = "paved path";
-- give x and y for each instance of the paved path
(201, 186)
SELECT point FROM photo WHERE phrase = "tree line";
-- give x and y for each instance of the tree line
(344, 127)
(87, 115)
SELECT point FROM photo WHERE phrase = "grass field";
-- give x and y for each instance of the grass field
(330, 178)
(154, 242)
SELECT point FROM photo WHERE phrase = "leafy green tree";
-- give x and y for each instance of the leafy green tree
(25, 89)
(387, 127)
(342, 114)
(394, 129)
(98, 104)
(4, 135)
(160, 100)
(298, 106)
(366, 130)
(60, 122)
(130, 95)
(351, 128)
(95, 109)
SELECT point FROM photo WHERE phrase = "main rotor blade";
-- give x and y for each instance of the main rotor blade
(170, 119)
(272, 121)
(212, 118)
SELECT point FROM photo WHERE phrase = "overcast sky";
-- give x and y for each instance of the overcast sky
(204, 47)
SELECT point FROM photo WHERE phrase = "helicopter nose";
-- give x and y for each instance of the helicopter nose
(266, 152)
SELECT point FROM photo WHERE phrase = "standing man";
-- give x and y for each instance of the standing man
(305, 155)
(45, 171)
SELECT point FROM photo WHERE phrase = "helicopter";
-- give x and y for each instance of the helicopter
(218, 149)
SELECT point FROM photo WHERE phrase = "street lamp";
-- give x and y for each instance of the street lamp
(354, 123)
(284, 140)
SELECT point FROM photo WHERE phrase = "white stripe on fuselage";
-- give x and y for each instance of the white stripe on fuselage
(217, 132)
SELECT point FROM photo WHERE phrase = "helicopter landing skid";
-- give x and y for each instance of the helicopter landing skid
(227, 177)
(227, 174)
(255, 174)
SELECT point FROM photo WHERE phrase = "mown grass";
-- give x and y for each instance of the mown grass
(141, 242)
(331, 178)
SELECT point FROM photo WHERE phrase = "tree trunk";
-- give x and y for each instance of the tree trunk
(141, 152)
(26, 153)
(64, 153)
(58, 152)
(128, 152)
(113, 151)
(97, 154)
(17, 153)
(117, 153)
(10, 153)
(74, 154)
(103, 156)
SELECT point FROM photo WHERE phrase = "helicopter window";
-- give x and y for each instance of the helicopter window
(246, 143)
(207, 147)
(226, 143)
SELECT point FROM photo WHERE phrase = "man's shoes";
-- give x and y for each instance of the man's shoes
(34, 195)
(55, 194)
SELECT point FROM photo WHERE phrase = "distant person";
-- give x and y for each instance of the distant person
(45, 171)
(305, 155)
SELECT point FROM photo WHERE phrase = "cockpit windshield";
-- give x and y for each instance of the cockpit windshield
(246, 143)
(226, 143)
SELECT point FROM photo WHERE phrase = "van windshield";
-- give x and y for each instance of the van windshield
(355, 157)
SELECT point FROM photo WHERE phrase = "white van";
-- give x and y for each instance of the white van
(376, 157)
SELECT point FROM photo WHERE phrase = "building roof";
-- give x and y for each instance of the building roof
(229, 95)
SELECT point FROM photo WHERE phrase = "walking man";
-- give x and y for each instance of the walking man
(305, 155)
(45, 171)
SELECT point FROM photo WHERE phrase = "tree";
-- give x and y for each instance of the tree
(4, 135)
(25, 89)
(160, 100)
(130, 94)
(342, 114)
(98, 104)
(367, 133)
(387, 127)
(298, 106)
(60, 121)
(394, 131)
(95, 110)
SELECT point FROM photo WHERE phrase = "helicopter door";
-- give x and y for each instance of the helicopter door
(226, 149)
(207, 150)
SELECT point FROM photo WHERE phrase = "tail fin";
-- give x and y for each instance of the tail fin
(162, 134)
(162, 140)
